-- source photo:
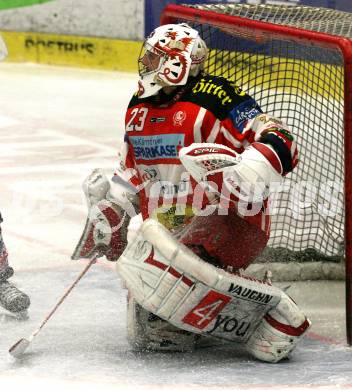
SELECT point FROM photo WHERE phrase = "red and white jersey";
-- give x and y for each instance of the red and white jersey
(207, 109)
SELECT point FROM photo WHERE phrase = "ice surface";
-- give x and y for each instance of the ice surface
(57, 124)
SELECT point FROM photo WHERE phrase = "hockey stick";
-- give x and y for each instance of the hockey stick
(21, 345)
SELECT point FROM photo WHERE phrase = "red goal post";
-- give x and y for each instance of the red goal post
(229, 25)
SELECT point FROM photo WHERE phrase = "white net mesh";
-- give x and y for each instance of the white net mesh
(308, 18)
(303, 84)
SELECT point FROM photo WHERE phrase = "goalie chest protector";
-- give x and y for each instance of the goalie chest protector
(187, 116)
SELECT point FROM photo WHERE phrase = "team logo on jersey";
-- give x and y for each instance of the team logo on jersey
(242, 113)
(179, 118)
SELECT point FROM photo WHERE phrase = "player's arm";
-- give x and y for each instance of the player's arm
(270, 153)
(245, 126)
(126, 182)
(264, 137)
(266, 145)
(273, 139)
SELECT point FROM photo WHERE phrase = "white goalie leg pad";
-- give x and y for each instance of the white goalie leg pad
(279, 332)
(169, 280)
(146, 331)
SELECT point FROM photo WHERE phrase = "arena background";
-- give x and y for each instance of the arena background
(101, 34)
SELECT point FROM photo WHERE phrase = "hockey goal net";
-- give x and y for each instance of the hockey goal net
(296, 62)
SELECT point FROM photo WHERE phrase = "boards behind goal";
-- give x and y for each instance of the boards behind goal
(297, 63)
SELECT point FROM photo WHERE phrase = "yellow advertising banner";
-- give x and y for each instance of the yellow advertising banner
(69, 50)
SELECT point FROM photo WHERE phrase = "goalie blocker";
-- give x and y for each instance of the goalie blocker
(169, 280)
(109, 213)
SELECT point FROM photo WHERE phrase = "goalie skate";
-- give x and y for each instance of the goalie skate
(146, 331)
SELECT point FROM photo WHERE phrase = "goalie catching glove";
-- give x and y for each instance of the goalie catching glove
(169, 280)
(109, 213)
(247, 176)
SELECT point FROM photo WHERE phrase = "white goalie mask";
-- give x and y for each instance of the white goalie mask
(3, 49)
(170, 55)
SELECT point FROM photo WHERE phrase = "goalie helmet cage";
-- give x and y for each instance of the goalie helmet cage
(297, 63)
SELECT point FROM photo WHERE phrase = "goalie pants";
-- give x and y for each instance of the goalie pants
(227, 240)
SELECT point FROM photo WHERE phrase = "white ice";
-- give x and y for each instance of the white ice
(56, 125)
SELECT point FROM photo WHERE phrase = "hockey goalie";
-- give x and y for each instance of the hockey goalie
(197, 165)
